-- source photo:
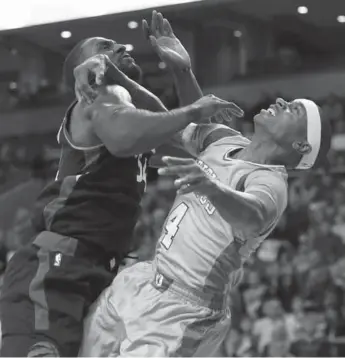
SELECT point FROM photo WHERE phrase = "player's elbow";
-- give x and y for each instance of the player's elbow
(260, 220)
(257, 222)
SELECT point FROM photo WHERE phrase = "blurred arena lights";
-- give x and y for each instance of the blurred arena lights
(341, 19)
(302, 10)
(133, 25)
(129, 47)
(13, 86)
(66, 34)
(38, 12)
(237, 33)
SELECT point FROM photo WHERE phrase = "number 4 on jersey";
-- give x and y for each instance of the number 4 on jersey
(172, 224)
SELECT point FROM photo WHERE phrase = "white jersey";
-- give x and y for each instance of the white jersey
(198, 248)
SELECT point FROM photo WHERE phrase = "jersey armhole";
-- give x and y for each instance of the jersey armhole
(217, 135)
(65, 133)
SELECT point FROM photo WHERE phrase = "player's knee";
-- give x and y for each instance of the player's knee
(43, 349)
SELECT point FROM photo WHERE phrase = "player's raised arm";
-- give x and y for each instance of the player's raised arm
(99, 70)
(127, 131)
(251, 212)
(171, 51)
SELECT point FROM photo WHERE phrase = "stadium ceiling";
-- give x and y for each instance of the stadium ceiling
(109, 18)
(321, 13)
(318, 27)
(25, 13)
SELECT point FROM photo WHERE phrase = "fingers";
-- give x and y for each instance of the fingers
(177, 161)
(159, 26)
(100, 73)
(222, 116)
(178, 166)
(91, 72)
(231, 107)
(160, 23)
(146, 29)
(186, 189)
(167, 28)
(221, 104)
(236, 110)
(87, 92)
(190, 179)
(86, 95)
(154, 23)
(82, 87)
(179, 170)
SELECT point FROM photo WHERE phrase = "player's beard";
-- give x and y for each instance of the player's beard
(133, 71)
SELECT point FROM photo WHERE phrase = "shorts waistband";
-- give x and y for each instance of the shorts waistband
(70, 246)
(213, 301)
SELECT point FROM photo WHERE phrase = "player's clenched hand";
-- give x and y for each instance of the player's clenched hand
(88, 75)
(164, 42)
(93, 73)
(208, 106)
(193, 175)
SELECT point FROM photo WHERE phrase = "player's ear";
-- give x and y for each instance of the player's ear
(302, 147)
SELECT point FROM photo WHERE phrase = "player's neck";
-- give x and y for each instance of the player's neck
(260, 151)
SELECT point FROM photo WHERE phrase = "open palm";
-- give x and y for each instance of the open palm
(165, 43)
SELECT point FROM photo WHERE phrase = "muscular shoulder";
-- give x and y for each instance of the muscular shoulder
(117, 92)
(109, 99)
(114, 95)
(269, 184)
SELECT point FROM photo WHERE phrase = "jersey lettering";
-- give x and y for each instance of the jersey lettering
(206, 169)
(210, 209)
(142, 167)
(172, 224)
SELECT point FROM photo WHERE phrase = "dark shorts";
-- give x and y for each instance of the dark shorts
(47, 290)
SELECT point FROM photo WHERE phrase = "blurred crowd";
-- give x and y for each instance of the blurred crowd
(291, 301)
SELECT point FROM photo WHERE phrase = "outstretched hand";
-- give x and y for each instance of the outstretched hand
(208, 106)
(194, 175)
(164, 42)
(89, 74)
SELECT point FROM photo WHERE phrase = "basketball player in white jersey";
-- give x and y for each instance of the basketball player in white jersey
(229, 200)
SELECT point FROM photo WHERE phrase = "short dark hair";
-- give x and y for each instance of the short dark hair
(72, 60)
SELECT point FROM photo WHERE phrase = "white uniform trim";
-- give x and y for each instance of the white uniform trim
(313, 133)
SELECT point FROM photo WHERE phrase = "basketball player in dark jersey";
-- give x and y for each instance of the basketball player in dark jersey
(87, 215)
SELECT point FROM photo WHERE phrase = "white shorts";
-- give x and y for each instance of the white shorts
(140, 316)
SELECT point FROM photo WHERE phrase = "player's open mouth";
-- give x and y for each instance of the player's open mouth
(269, 111)
(272, 111)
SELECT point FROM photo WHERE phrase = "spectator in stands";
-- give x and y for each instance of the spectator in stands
(21, 230)
(311, 340)
(238, 345)
(333, 109)
(253, 294)
(274, 319)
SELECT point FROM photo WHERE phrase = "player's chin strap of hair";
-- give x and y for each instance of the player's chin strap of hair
(313, 133)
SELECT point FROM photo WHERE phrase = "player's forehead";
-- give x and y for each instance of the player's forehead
(299, 104)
